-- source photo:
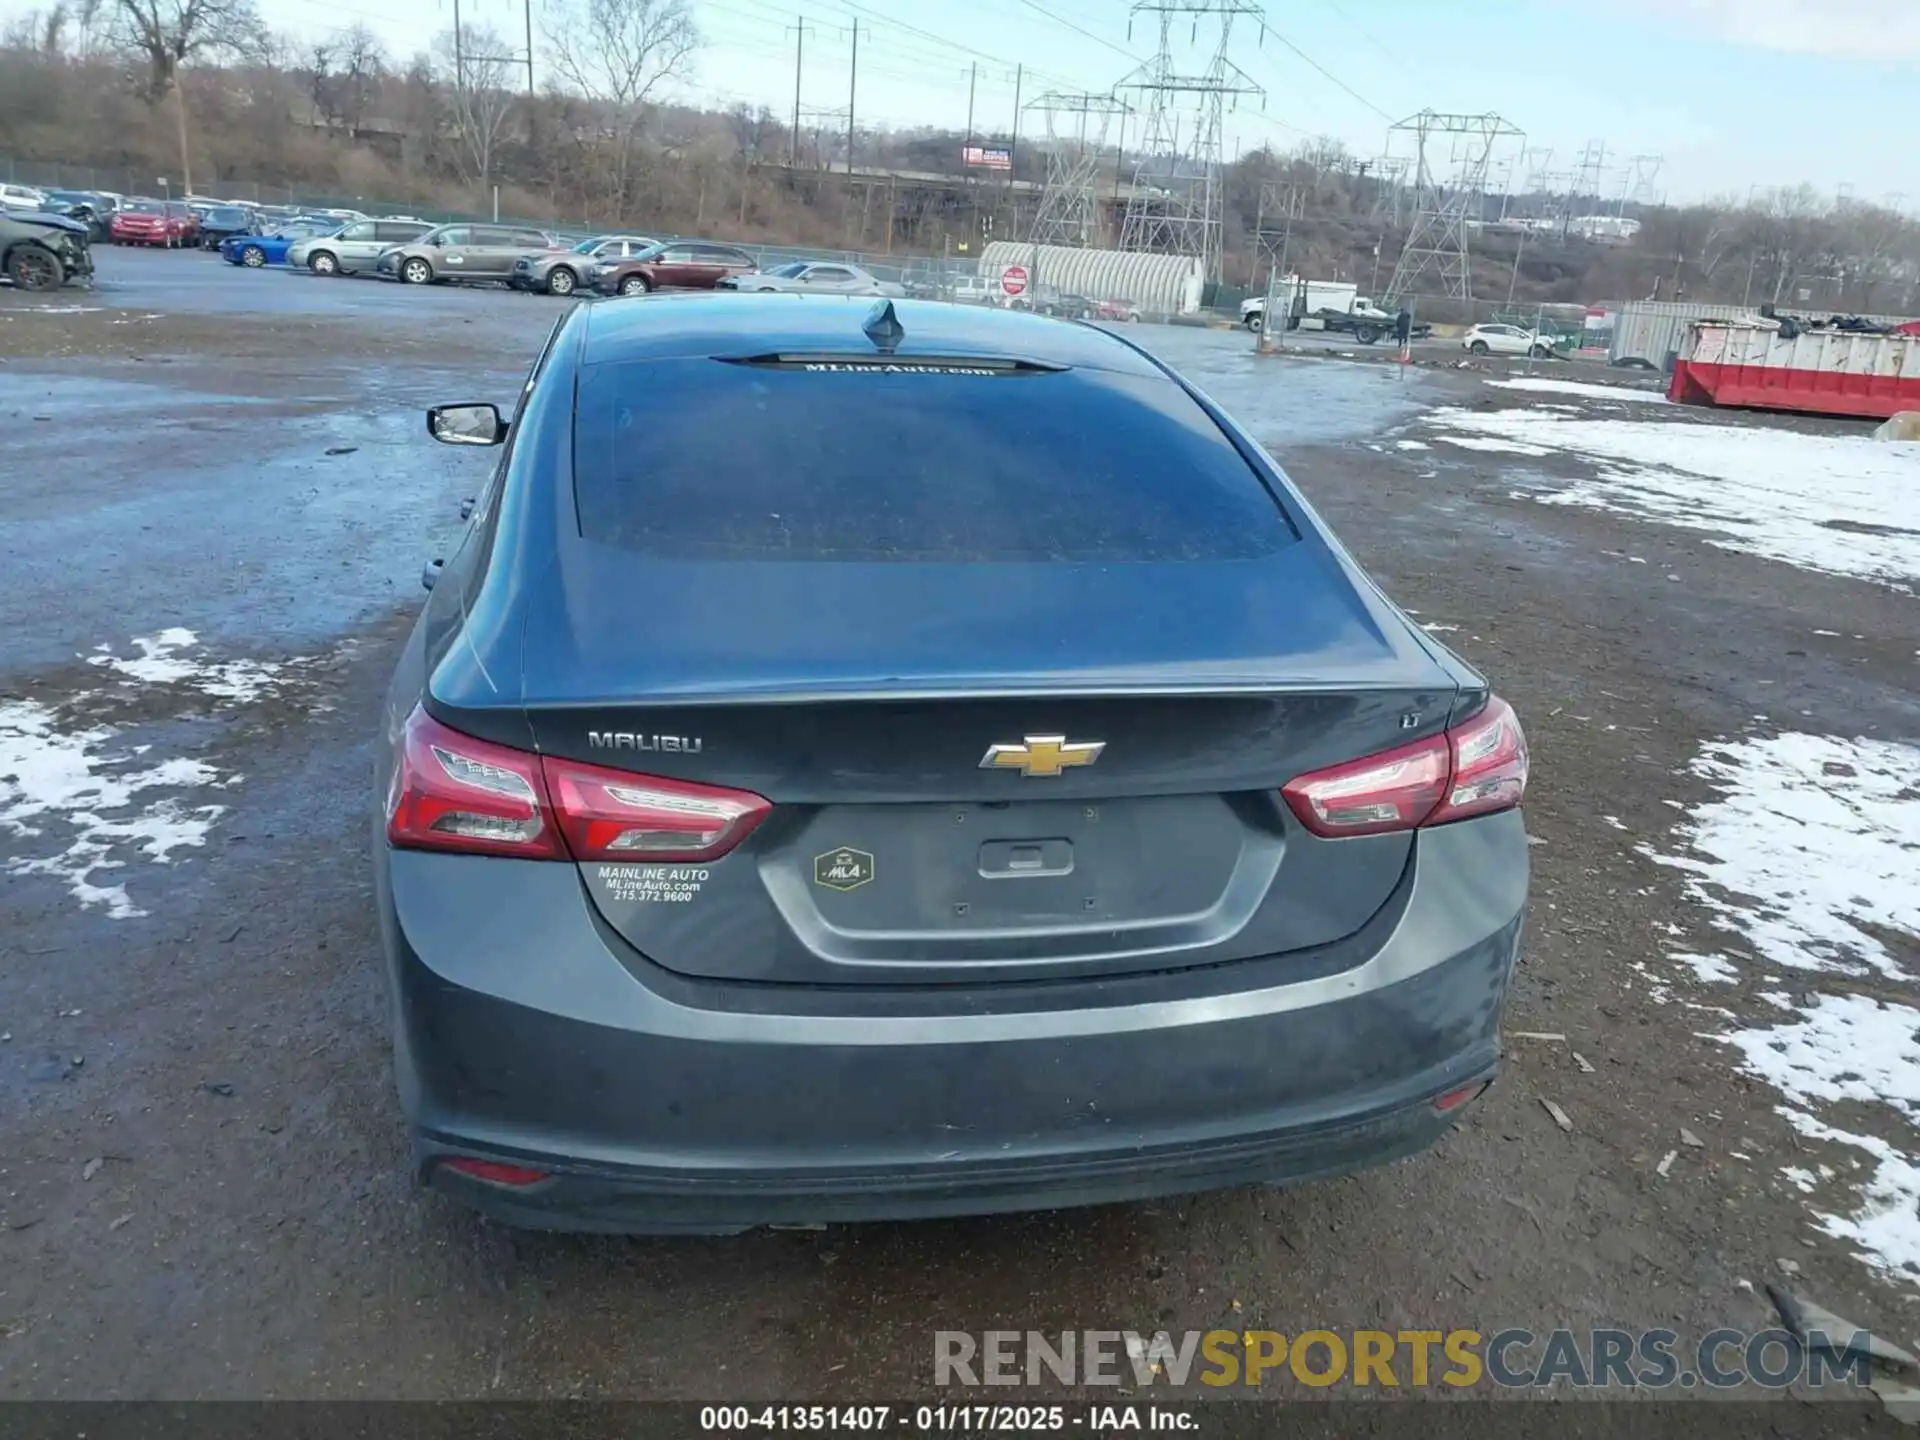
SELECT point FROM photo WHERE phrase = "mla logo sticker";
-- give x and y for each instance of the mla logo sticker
(843, 869)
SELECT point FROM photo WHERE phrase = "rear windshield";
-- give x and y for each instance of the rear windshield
(701, 459)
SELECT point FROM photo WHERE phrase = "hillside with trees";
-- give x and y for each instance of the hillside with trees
(114, 93)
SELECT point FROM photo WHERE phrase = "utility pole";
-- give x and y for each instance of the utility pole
(799, 45)
(459, 54)
(853, 75)
(1013, 145)
(529, 6)
(973, 76)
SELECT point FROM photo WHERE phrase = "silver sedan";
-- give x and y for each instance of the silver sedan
(808, 278)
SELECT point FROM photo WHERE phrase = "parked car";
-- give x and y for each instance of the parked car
(89, 207)
(958, 924)
(1115, 310)
(352, 248)
(463, 252)
(809, 278)
(254, 251)
(1067, 306)
(40, 250)
(1505, 340)
(153, 222)
(672, 265)
(221, 221)
(567, 271)
(972, 290)
(22, 197)
(81, 205)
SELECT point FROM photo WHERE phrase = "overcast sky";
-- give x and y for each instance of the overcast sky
(1729, 93)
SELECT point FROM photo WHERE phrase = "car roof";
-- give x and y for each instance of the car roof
(699, 324)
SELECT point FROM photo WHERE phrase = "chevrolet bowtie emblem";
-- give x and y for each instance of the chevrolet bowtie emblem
(1042, 754)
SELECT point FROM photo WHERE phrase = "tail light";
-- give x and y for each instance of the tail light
(453, 792)
(1475, 768)
(616, 815)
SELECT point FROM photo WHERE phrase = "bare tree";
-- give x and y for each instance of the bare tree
(346, 71)
(475, 68)
(169, 33)
(619, 53)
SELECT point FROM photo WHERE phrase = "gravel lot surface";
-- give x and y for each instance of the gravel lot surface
(217, 498)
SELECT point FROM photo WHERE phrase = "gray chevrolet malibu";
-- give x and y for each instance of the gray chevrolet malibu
(870, 761)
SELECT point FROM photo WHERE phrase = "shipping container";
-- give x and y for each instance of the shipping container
(1829, 372)
(1151, 284)
(1650, 332)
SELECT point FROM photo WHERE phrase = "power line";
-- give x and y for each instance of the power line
(1328, 74)
(1365, 34)
(1057, 19)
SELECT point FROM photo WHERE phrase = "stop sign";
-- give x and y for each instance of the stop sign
(1013, 279)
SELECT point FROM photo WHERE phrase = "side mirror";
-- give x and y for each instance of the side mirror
(475, 424)
(430, 573)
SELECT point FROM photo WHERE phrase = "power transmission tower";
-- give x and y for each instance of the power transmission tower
(1178, 200)
(1593, 164)
(1444, 200)
(1540, 180)
(1390, 189)
(1636, 186)
(1281, 203)
(1077, 125)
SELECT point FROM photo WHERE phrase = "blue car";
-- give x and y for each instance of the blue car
(254, 251)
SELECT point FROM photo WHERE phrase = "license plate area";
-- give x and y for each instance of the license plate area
(995, 881)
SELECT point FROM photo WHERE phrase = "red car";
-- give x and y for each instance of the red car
(671, 265)
(153, 222)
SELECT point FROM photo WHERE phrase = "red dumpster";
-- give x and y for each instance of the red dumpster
(1828, 372)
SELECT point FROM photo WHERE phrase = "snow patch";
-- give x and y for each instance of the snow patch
(1887, 1223)
(162, 661)
(1411, 445)
(1808, 851)
(1581, 387)
(1811, 840)
(70, 786)
(1708, 969)
(1493, 446)
(1822, 502)
(1846, 1047)
(84, 800)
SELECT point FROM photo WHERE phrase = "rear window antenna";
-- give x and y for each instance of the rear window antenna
(883, 328)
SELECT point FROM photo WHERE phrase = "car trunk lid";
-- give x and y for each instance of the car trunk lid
(1078, 799)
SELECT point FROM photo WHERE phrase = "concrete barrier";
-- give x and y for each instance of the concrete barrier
(1903, 426)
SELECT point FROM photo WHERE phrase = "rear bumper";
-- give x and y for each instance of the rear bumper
(659, 1104)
